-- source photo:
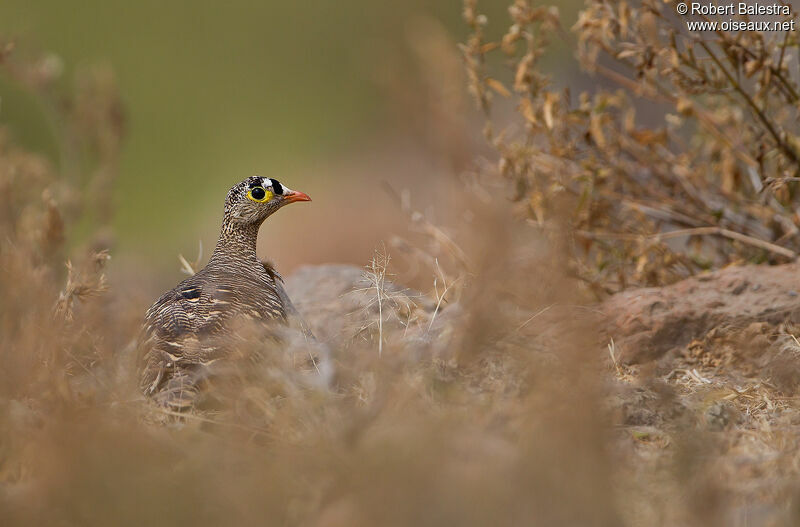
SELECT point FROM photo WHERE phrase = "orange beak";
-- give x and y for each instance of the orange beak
(295, 195)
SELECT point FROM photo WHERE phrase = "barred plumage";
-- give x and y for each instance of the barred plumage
(189, 327)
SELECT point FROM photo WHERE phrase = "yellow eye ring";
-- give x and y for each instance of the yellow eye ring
(259, 194)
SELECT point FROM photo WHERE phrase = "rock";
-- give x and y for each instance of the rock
(647, 323)
(339, 302)
(721, 415)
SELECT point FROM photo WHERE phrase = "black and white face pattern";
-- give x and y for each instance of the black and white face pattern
(255, 198)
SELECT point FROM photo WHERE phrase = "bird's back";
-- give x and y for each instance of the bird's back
(189, 327)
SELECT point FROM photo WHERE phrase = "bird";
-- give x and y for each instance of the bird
(195, 324)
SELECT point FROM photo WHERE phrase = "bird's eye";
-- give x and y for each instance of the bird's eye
(259, 194)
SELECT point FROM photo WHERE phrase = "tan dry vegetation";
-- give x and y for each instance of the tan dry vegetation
(494, 398)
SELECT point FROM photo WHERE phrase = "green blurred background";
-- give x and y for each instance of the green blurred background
(302, 91)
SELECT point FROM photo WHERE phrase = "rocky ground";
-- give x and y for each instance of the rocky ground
(713, 362)
(703, 383)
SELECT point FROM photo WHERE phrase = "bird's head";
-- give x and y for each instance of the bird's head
(255, 198)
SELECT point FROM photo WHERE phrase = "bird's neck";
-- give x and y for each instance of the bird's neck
(237, 242)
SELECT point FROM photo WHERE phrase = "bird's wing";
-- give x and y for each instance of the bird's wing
(293, 317)
(187, 325)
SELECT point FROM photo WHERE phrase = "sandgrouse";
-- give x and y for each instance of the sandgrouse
(190, 327)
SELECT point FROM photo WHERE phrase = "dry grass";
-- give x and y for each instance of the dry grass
(490, 400)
